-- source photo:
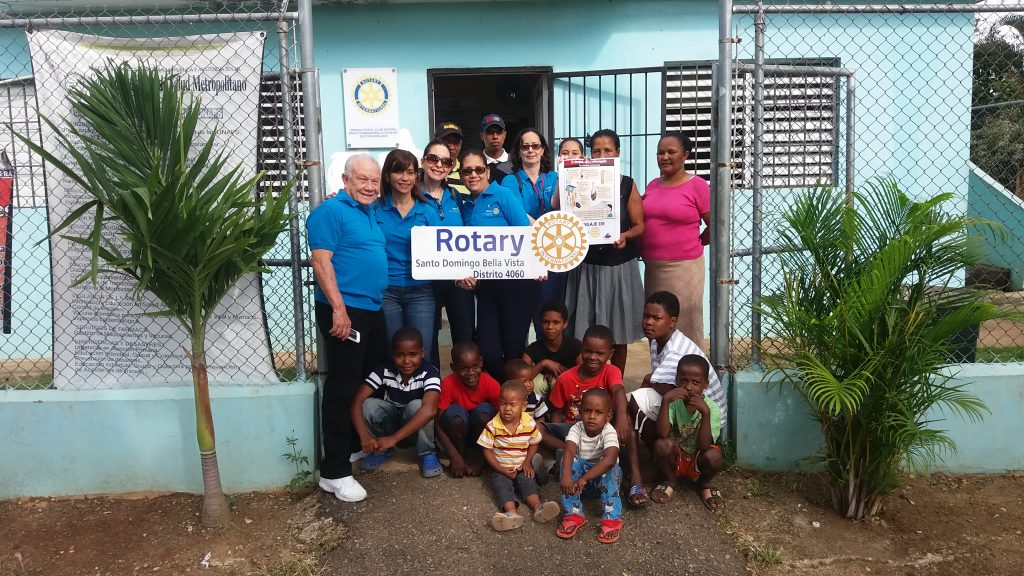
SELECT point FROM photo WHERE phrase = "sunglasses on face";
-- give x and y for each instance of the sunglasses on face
(435, 159)
(478, 170)
(534, 146)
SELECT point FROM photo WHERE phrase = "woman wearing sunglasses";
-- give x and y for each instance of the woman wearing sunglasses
(537, 185)
(503, 307)
(406, 302)
(444, 200)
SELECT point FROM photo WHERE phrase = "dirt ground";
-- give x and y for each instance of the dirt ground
(937, 525)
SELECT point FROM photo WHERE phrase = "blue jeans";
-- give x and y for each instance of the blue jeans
(475, 419)
(411, 306)
(504, 309)
(606, 487)
(460, 305)
(384, 418)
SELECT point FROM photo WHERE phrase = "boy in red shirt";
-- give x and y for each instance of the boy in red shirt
(593, 372)
(469, 400)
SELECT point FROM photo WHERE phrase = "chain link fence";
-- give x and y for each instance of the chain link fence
(931, 96)
(59, 336)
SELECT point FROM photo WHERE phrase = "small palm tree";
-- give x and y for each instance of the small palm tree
(187, 227)
(865, 319)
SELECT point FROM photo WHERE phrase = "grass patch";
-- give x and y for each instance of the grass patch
(307, 565)
(761, 489)
(767, 555)
(30, 382)
(993, 354)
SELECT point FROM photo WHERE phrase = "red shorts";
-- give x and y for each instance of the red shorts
(687, 467)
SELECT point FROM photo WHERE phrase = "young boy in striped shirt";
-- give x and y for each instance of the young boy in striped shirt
(398, 402)
(510, 441)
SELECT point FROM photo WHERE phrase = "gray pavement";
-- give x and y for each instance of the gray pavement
(409, 525)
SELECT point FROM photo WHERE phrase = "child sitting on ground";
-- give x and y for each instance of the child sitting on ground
(668, 345)
(469, 397)
(516, 369)
(594, 371)
(688, 423)
(399, 399)
(510, 442)
(555, 351)
(590, 465)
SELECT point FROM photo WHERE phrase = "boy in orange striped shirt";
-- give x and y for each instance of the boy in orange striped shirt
(510, 441)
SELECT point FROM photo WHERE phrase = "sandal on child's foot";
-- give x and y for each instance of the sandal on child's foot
(662, 492)
(570, 525)
(502, 522)
(713, 501)
(546, 512)
(638, 496)
(610, 531)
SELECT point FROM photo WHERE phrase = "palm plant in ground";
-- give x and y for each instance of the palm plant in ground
(185, 226)
(865, 319)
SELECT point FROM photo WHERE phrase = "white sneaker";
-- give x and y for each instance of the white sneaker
(346, 489)
(356, 456)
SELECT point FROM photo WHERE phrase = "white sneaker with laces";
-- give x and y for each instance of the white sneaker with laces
(346, 489)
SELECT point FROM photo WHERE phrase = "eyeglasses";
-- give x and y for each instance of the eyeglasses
(435, 159)
(534, 146)
(478, 170)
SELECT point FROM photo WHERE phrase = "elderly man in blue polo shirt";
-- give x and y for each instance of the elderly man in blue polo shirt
(351, 272)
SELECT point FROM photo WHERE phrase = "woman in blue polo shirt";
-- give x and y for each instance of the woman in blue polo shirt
(503, 307)
(445, 201)
(537, 185)
(407, 302)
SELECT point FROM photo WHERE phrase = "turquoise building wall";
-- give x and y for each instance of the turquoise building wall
(988, 199)
(774, 429)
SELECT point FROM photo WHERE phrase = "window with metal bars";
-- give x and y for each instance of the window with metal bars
(18, 108)
(801, 116)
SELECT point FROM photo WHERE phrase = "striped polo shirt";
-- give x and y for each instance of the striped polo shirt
(388, 385)
(510, 446)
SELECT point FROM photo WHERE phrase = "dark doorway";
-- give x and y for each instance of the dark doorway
(465, 95)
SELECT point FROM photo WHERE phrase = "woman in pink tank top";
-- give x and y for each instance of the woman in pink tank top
(675, 205)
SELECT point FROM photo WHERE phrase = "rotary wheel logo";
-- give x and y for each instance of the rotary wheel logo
(371, 95)
(559, 241)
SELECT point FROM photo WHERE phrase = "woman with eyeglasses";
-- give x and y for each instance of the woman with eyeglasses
(606, 288)
(444, 200)
(537, 185)
(406, 302)
(503, 307)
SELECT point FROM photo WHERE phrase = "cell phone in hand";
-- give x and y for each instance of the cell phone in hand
(353, 335)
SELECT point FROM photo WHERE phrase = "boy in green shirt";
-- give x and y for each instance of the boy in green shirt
(688, 423)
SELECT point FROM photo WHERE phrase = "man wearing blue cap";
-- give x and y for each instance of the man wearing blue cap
(492, 132)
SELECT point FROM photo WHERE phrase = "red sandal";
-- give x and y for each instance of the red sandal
(570, 525)
(610, 531)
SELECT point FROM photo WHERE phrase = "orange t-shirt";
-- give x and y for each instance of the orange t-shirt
(453, 391)
(569, 388)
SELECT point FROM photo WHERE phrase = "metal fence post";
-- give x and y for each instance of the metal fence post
(287, 120)
(755, 220)
(720, 201)
(315, 170)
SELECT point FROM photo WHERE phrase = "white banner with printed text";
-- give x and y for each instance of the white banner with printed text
(100, 338)
(371, 107)
(555, 242)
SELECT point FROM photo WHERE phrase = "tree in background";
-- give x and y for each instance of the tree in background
(997, 133)
(187, 226)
